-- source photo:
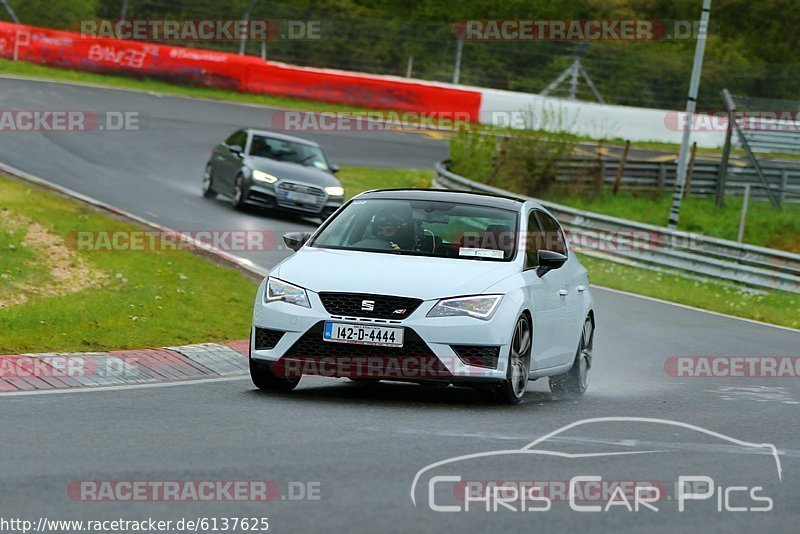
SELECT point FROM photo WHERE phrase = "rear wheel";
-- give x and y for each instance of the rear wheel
(265, 380)
(575, 381)
(208, 183)
(512, 390)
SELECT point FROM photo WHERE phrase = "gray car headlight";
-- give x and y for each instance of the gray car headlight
(335, 191)
(477, 306)
(260, 176)
(286, 292)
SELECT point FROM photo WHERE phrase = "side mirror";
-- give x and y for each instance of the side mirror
(334, 168)
(236, 149)
(295, 240)
(549, 260)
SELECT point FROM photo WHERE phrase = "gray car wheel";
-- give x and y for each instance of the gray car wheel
(208, 183)
(238, 197)
(512, 390)
(575, 382)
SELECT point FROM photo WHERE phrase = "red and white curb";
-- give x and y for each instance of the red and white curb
(57, 370)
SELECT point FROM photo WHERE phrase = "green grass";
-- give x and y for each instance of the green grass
(776, 307)
(358, 179)
(149, 299)
(765, 226)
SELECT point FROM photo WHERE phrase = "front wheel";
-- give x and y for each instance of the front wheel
(512, 390)
(575, 381)
(208, 183)
(238, 198)
(265, 380)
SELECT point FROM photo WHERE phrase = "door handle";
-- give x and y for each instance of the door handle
(563, 292)
(581, 288)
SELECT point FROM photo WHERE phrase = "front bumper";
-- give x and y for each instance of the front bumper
(267, 196)
(428, 352)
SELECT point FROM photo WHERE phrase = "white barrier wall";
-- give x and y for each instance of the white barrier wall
(589, 118)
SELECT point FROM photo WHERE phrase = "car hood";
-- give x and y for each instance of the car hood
(388, 274)
(292, 171)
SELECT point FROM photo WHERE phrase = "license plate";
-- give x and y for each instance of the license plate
(301, 198)
(363, 335)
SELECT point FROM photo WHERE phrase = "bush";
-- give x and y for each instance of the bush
(520, 161)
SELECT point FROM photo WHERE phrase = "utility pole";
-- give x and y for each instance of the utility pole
(691, 105)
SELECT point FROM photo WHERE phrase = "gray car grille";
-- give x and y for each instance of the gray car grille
(286, 187)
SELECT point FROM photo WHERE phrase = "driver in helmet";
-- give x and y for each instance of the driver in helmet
(387, 227)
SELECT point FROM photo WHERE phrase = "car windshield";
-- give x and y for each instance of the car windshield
(283, 150)
(423, 228)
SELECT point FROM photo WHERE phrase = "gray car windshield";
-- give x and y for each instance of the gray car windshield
(283, 150)
(423, 228)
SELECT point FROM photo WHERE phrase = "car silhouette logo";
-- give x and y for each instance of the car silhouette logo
(367, 305)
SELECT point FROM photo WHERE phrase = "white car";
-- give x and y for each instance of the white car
(421, 285)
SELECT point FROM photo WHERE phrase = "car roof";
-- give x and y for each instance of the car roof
(446, 195)
(281, 136)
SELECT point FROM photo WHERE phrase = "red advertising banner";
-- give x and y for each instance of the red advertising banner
(229, 71)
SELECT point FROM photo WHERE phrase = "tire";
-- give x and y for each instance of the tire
(366, 382)
(208, 183)
(512, 389)
(265, 380)
(574, 382)
(238, 197)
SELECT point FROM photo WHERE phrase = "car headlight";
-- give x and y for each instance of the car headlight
(478, 306)
(260, 176)
(280, 290)
(335, 191)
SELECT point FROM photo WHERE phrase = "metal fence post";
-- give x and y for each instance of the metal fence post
(690, 171)
(723, 165)
(662, 177)
(457, 68)
(784, 186)
(621, 168)
(245, 19)
(745, 202)
(10, 11)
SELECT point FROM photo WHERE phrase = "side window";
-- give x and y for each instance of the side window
(552, 234)
(532, 243)
(238, 138)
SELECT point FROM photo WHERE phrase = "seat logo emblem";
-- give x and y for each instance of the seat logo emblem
(367, 305)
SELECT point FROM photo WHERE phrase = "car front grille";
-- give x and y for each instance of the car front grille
(478, 355)
(365, 305)
(414, 360)
(288, 187)
(266, 339)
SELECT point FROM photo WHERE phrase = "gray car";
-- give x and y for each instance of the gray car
(273, 170)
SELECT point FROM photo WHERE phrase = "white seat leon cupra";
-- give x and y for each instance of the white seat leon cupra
(413, 285)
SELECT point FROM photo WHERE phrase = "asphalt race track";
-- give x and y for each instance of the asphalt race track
(362, 446)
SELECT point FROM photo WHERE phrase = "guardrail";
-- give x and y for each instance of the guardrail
(660, 176)
(660, 248)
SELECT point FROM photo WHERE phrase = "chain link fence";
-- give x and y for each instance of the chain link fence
(647, 74)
